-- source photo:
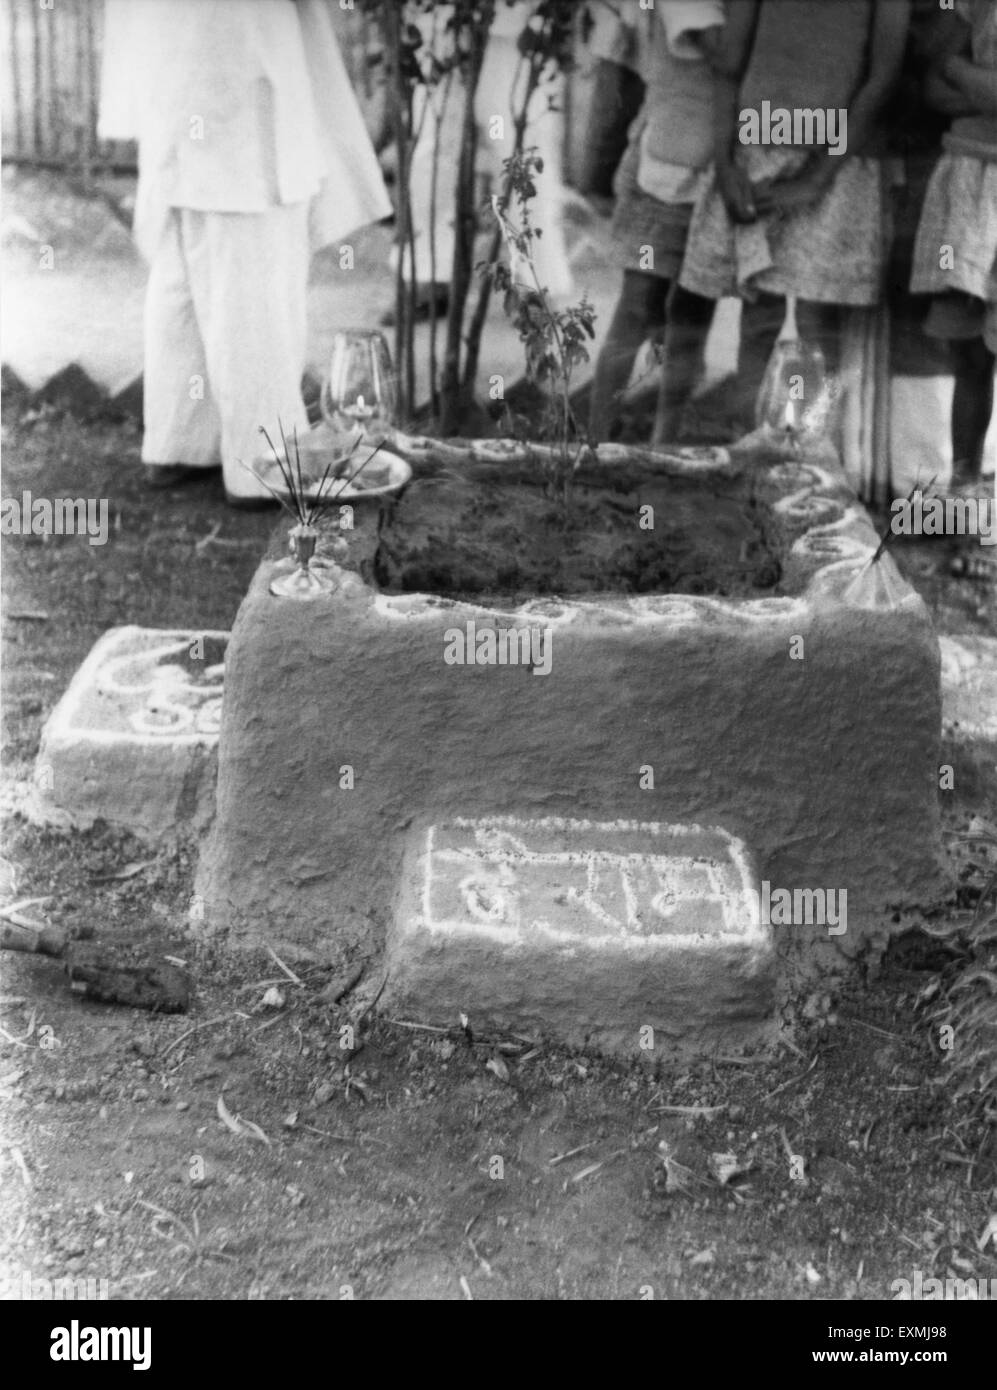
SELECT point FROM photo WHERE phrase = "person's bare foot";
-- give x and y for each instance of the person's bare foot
(250, 504)
(163, 475)
(427, 303)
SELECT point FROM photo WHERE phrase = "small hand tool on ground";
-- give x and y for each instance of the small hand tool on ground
(103, 973)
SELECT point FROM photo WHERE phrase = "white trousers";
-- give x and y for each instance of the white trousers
(920, 432)
(225, 338)
(989, 466)
(492, 109)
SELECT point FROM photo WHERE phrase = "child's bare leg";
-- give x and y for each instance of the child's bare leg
(973, 403)
(639, 310)
(688, 319)
(761, 321)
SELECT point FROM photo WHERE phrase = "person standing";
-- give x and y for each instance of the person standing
(955, 254)
(661, 176)
(793, 217)
(252, 153)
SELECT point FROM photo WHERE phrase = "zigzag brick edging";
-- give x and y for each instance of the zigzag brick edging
(72, 389)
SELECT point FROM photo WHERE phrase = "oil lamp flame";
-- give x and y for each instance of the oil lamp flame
(790, 427)
(362, 411)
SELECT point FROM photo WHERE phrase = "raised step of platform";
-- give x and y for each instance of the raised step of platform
(969, 687)
(622, 936)
(134, 740)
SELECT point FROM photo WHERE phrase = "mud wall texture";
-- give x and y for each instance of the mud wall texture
(806, 725)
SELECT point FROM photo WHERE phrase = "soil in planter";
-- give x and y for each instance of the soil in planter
(497, 538)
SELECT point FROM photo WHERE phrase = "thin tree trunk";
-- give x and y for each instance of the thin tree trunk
(451, 390)
(87, 50)
(434, 385)
(36, 40)
(55, 107)
(411, 292)
(401, 116)
(15, 80)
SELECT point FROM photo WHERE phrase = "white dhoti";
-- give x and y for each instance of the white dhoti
(225, 338)
(252, 153)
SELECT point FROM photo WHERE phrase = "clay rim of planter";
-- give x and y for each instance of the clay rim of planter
(826, 539)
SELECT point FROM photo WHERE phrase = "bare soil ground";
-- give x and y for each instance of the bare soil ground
(419, 1164)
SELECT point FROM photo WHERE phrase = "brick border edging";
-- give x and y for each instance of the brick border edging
(73, 389)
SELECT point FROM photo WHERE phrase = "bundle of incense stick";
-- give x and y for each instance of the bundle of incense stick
(305, 509)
